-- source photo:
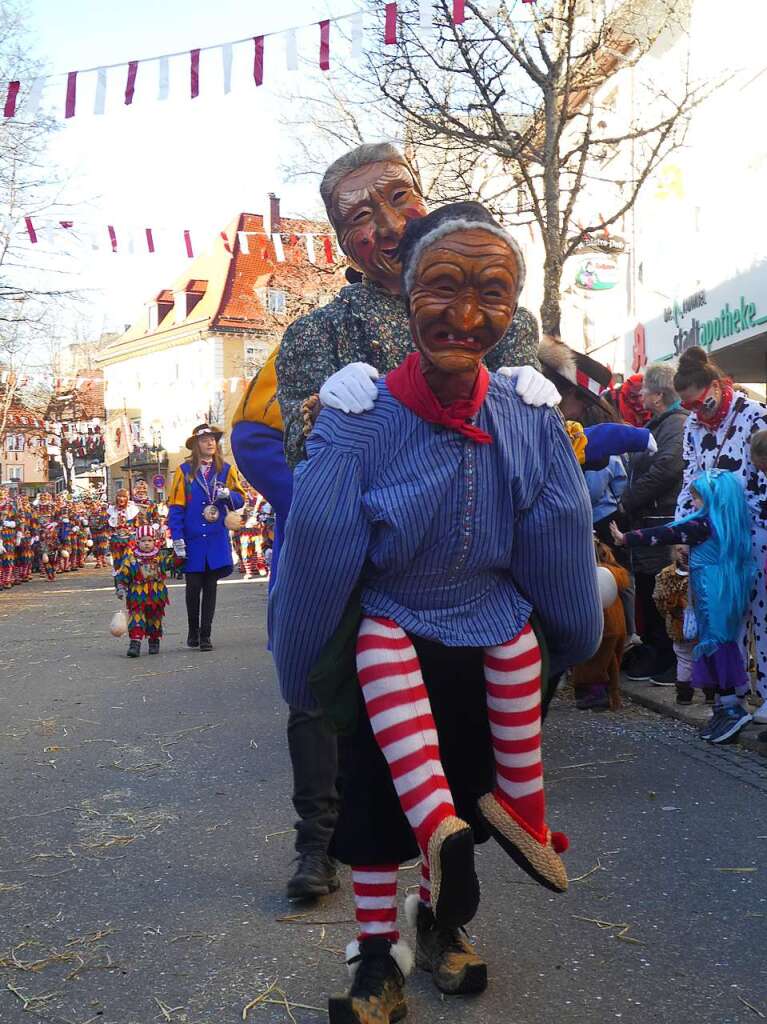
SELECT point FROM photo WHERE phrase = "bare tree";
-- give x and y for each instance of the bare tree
(33, 278)
(509, 107)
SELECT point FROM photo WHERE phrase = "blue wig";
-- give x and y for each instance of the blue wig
(724, 505)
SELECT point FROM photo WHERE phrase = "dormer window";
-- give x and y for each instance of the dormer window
(159, 309)
(185, 301)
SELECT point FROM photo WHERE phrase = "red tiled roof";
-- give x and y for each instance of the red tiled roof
(240, 306)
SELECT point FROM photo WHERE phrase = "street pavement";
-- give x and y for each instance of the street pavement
(145, 842)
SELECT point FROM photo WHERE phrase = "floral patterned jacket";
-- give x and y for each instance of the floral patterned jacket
(364, 323)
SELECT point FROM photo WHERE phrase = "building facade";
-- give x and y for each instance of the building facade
(188, 357)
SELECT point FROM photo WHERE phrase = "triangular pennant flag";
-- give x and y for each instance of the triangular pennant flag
(188, 244)
(11, 97)
(325, 45)
(328, 246)
(358, 34)
(163, 78)
(279, 252)
(112, 237)
(258, 60)
(130, 82)
(71, 98)
(390, 25)
(226, 67)
(194, 74)
(32, 103)
(310, 253)
(149, 239)
(291, 50)
(459, 12)
(30, 230)
(99, 100)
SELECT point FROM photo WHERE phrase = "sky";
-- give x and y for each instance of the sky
(174, 164)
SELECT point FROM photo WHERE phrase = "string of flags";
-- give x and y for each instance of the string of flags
(131, 241)
(23, 97)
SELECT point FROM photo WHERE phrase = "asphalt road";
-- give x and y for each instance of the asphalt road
(144, 846)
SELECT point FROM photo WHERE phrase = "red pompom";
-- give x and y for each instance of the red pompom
(559, 841)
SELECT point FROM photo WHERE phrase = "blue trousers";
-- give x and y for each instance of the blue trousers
(260, 456)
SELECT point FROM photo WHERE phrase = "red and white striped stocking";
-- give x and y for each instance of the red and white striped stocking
(400, 715)
(375, 901)
(513, 686)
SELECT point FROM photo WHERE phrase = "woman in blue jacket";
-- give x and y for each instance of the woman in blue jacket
(204, 489)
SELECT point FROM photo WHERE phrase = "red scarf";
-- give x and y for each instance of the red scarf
(718, 417)
(408, 385)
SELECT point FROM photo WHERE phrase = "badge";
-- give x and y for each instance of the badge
(210, 514)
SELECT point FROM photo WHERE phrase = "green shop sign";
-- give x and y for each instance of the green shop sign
(728, 323)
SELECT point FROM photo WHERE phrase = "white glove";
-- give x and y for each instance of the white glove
(2, 548)
(223, 492)
(652, 445)
(532, 387)
(179, 547)
(351, 389)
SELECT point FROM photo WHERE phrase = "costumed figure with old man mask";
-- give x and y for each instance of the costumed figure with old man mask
(430, 528)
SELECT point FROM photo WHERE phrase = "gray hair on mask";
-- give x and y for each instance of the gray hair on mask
(369, 153)
(411, 260)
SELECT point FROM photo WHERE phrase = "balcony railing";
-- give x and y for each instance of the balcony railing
(144, 455)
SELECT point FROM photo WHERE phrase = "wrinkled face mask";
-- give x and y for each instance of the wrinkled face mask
(372, 206)
(463, 298)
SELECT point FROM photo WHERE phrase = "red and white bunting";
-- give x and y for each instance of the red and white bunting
(128, 240)
(23, 97)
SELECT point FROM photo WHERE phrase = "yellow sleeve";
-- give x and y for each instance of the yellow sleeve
(177, 493)
(234, 482)
(577, 439)
(259, 403)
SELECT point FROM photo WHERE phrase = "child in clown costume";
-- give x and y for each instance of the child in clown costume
(140, 581)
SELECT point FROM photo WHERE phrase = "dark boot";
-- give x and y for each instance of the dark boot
(134, 649)
(154, 646)
(315, 875)
(193, 638)
(445, 953)
(684, 693)
(377, 995)
(592, 698)
(205, 644)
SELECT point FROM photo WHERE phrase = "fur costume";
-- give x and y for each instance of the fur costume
(603, 668)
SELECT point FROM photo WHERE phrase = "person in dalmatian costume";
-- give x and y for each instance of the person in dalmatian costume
(718, 436)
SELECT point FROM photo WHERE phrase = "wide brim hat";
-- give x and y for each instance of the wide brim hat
(567, 368)
(203, 430)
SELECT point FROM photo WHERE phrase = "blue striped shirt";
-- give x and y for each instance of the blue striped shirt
(455, 541)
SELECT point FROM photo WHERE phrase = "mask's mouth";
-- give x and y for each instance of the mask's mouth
(447, 339)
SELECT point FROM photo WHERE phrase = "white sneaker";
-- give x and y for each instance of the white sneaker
(760, 715)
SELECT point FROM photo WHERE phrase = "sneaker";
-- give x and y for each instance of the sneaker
(592, 698)
(666, 678)
(684, 693)
(632, 641)
(707, 729)
(378, 968)
(732, 718)
(315, 875)
(445, 953)
(760, 715)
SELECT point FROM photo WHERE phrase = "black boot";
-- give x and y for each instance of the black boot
(193, 638)
(315, 875)
(445, 953)
(377, 994)
(205, 644)
(134, 649)
(154, 646)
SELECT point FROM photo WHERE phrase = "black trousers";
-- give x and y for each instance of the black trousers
(314, 756)
(201, 600)
(654, 630)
